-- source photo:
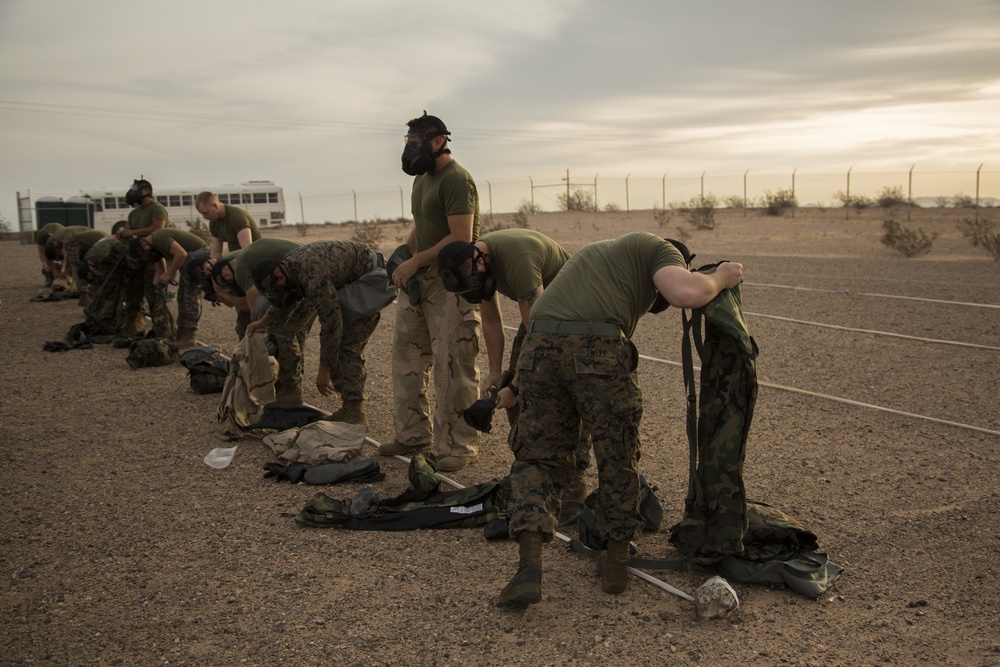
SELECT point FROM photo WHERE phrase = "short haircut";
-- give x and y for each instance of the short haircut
(205, 198)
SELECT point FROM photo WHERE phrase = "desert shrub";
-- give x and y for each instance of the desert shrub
(699, 211)
(662, 216)
(961, 200)
(524, 209)
(857, 202)
(890, 196)
(906, 241)
(776, 203)
(199, 228)
(981, 233)
(577, 200)
(302, 228)
(369, 232)
(682, 234)
(491, 223)
(734, 201)
(612, 208)
(4, 225)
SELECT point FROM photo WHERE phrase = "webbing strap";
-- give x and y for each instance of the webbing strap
(695, 496)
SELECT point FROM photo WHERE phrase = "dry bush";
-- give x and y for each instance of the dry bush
(906, 241)
(699, 211)
(369, 232)
(981, 233)
(891, 196)
(776, 203)
(524, 209)
(662, 216)
(736, 201)
(199, 228)
(302, 228)
(577, 200)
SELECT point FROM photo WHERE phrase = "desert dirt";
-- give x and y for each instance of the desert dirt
(120, 546)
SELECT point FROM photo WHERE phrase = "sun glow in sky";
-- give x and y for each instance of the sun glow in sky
(315, 94)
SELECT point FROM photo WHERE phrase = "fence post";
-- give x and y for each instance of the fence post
(627, 207)
(793, 192)
(567, 190)
(702, 202)
(663, 187)
(745, 203)
(977, 193)
(530, 180)
(302, 210)
(847, 203)
(909, 193)
(596, 206)
(489, 189)
(355, 194)
(401, 214)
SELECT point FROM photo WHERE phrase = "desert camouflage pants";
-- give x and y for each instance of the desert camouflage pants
(439, 335)
(568, 383)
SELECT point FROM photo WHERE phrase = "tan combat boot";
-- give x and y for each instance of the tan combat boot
(288, 396)
(133, 324)
(351, 412)
(526, 586)
(185, 338)
(612, 566)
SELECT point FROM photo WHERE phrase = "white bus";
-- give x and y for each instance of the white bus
(263, 200)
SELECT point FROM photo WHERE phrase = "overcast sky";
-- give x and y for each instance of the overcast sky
(314, 95)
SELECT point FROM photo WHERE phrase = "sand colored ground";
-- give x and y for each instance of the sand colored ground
(119, 546)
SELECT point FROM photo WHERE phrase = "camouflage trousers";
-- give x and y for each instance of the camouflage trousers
(568, 383)
(107, 305)
(440, 334)
(583, 451)
(351, 373)
(140, 285)
(189, 296)
(289, 333)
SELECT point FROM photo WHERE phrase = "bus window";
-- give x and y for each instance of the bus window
(162, 199)
(110, 203)
(246, 198)
(186, 200)
(175, 200)
(122, 203)
(260, 198)
(223, 199)
(272, 197)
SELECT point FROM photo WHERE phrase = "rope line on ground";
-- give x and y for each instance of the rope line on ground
(938, 341)
(883, 296)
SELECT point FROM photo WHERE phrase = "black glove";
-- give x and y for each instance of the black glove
(293, 473)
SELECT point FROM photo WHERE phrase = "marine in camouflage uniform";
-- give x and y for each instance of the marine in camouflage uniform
(41, 237)
(74, 248)
(314, 273)
(288, 335)
(441, 332)
(175, 247)
(577, 369)
(143, 220)
(108, 263)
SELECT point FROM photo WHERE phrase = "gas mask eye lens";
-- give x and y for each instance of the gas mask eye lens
(414, 141)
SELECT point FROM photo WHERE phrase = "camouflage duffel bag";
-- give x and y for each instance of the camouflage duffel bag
(207, 369)
(151, 352)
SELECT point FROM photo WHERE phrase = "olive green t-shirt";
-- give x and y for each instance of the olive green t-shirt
(436, 196)
(608, 281)
(523, 259)
(269, 248)
(89, 237)
(145, 215)
(41, 236)
(66, 232)
(162, 239)
(229, 225)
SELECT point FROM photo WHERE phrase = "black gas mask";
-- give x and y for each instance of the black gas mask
(228, 284)
(419, 156)
(458, 265)
(143, 251)
(134, 195)
(281, 296)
